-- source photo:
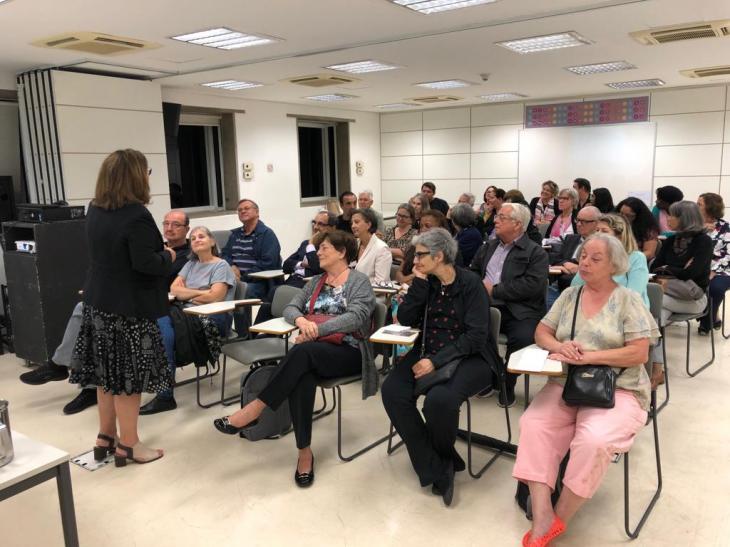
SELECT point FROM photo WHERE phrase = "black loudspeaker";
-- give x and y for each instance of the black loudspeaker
(7, 199)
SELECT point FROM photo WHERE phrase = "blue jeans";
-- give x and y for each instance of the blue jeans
(718, 285)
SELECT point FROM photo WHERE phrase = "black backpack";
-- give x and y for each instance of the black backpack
(272, 424)
(190, 342)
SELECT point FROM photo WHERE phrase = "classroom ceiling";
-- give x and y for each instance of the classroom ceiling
(457, 44)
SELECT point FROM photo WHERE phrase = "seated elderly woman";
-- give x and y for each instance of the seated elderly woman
(456, 311)
(337, 347)
(712, 208)
(205, 279)
(549, 427)
(467, 236)
(373, 256)
(398, 237)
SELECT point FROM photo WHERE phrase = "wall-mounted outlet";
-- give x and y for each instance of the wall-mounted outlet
(248, 175)
(248, 166)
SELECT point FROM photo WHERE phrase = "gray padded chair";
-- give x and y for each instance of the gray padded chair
(221, 237)
(335, 385)
(257, 349)
(656, 295)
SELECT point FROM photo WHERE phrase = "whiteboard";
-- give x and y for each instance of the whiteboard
(618, 157)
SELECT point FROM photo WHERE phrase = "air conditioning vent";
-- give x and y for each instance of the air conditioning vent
(435, 99)
(321, 80)
(706, 72)
(665, 35)
(95, 43)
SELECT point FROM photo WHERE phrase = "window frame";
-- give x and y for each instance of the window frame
(211, 124)
(329, 161)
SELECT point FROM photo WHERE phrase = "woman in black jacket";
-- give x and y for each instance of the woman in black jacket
(119, 348)
(457, 328)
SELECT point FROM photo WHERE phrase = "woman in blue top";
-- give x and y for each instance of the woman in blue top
(637, 275)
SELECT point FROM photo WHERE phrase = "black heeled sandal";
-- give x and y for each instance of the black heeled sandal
(121, 461)
(224, 426)
(101, 452)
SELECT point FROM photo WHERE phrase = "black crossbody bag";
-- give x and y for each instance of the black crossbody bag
(589, 385)
(438, 376)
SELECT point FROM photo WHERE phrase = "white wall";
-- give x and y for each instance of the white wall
(265, 135)
(97, 115)
(467, 149)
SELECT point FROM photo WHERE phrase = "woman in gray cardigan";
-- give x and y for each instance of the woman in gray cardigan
(346, 296)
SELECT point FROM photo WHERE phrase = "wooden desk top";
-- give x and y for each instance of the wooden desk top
(277, 325)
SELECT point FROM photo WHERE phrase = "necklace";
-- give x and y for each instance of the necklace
(445, 286)
(332, 281)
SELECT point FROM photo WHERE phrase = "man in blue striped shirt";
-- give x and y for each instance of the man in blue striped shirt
(253, 247)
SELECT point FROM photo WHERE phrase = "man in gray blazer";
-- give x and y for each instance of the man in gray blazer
(514, 271)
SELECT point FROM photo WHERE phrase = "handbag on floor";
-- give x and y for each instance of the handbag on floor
(589, 385)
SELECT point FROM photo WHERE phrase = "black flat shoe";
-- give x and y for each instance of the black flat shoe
(157, 405)
(445, 486)
(44, 374)
(224, 426)
(85, 399)
(304, 480)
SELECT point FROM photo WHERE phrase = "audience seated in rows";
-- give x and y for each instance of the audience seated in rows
(467, 236)
(545, 207)
(175, 228)
(563, 224)
(665, 197)
(419, 202)
(365, 201)
(565, 255)
(204, 279)
(603, 200)
(712, 208)
(456, 309)
(515, 196)
(549, 428)
(643, 224)
(583, 187)
(346, 295)
(514, 271)
(251, 248)
(428, 189)
(398, 237)
(373, 255)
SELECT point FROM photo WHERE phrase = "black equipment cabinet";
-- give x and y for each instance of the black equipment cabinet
(43, 287)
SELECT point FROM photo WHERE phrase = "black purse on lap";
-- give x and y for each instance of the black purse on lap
(589, 385)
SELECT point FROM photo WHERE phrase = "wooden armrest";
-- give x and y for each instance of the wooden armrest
(220, 307)
(277, 325)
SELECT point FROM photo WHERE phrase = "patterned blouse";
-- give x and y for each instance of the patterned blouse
(544, 213)
(622, 319)
(721, 253)
(401, 243)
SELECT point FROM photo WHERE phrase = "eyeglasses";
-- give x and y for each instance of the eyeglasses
(584, 221)
(420, 254)
(399, 215)
(320, 224)
(149, 172)
(500, 216)
(563, 198)
(175, 225)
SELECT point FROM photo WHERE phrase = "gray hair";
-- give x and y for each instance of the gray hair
(616, 252)
(469, 197)
(594, 211)
(689, 216)
(214, 249)
(331, 217)
(438, 239)
(368, 192)
(572, 194)
(463, 215)
(520, 213)
(425, 206)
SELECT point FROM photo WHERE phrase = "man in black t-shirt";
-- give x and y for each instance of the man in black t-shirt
(428, 189)
(348, 203)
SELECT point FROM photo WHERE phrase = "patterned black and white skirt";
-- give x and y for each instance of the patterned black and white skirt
(122, 355)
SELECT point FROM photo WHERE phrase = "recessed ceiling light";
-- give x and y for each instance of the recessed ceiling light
(499, 97)
(224, 38)
(535, 44)
(395, 105)
(435, 6)
(360, 67)
(598, 68)
(331, 97)
(635, 84)
(444, 84)
(232, 85)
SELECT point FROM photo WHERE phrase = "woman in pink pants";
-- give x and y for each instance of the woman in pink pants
(613, 327)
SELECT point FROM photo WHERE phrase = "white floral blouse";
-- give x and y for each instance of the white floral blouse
(721, 253)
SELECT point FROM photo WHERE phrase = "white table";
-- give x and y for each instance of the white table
(381, 337)
(266, 274)
(36, 462)
(278, 326)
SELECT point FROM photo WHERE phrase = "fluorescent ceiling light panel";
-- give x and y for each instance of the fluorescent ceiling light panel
(395, 105)
(232, 85)
(360, 67)
(444, 84)
(637, 84)
(224, 38)
(536, 44)
(331, 97)
(599, 68)
(499, 97)
(428, 7)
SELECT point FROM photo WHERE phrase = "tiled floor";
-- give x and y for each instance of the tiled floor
(212, 489)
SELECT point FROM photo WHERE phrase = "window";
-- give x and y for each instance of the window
(323, 160)
(201, 181)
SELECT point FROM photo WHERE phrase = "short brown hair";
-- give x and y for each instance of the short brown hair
(123, 179)
(342, 241)
(714, 205)
(368, 216)
(437, 215)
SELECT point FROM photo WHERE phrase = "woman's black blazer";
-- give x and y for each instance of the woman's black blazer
(129, 270)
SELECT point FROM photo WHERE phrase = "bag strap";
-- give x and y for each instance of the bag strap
(575, 313)
(425, 318)
(315, 294)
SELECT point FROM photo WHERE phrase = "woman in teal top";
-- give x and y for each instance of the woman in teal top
(637, 275)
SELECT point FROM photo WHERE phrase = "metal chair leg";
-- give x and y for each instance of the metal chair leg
(633, 534)
(527, 391)
(666, 371)
(337, 393)
(470, 459)
(324, 402)
(393, 447)
(209, 374)
(230, 399)
(324, 411)
(692, 374)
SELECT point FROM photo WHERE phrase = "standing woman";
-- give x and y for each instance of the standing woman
(712, 208)
(119, 348)
(373, 255)
(399, 237)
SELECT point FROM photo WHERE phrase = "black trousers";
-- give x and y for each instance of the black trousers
(430, 444)
(520, 334)
(297, 377)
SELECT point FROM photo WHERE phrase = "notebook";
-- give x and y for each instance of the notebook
(533, 360)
